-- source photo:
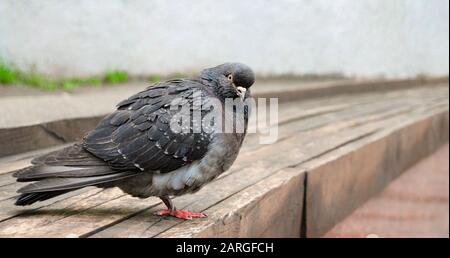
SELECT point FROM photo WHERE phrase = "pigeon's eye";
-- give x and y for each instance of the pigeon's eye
(230, 77)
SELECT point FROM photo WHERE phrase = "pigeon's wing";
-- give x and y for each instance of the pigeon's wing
(62, 171)
(70, 162)
(73, 155)
(139, 135)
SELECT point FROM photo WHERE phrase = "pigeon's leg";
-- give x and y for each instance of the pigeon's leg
(172, 211)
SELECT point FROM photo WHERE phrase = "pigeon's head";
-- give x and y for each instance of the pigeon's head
(234, 79)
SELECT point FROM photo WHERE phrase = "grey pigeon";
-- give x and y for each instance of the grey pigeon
(136, 149)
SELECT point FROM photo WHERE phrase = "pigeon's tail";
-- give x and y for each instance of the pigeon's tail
(64, 171)
(49, 187)
(30, 198)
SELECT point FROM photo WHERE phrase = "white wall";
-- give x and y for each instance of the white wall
(363, 37)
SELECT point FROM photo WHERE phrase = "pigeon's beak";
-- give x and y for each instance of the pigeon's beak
(241, 92)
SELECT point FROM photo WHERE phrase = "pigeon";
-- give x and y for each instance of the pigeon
(136, 148)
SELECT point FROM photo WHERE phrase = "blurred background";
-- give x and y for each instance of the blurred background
(390, 38)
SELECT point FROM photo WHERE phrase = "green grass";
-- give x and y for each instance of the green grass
(8, 75)
(40, 81)
(154, 78)
(116, 76)
(37, 80)
(72, 83)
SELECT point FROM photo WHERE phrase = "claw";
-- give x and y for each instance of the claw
(181, 214)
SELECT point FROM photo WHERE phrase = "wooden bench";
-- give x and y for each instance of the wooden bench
(334, 152)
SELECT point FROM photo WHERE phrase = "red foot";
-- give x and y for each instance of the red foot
(181, 214)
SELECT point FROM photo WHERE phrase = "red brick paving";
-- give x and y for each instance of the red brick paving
(414, 205)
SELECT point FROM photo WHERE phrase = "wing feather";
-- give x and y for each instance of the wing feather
(59, 184)
(140, 136)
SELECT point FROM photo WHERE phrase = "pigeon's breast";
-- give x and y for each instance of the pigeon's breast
(221, 154)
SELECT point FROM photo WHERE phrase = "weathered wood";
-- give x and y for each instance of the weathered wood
(195, 229)
(26, 138)
(263, 180)
(270, 208)
(18, 161)
(416, 204)
(364, 168)
(8, 190)
(137, 222)
(354, 87)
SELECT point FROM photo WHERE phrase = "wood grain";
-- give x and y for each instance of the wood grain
(333, 153)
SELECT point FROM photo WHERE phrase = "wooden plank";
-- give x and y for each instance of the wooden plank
(416, 204)
(18, 161)
(200, 228)
(355, 87)
(352, 106)
(8, 188)
(33, 137)
(270, 208)
(24, 139)
(248, 176)
(94, 221)
(9, 211)
(364, 168)
(286, 115)
(265, 162)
